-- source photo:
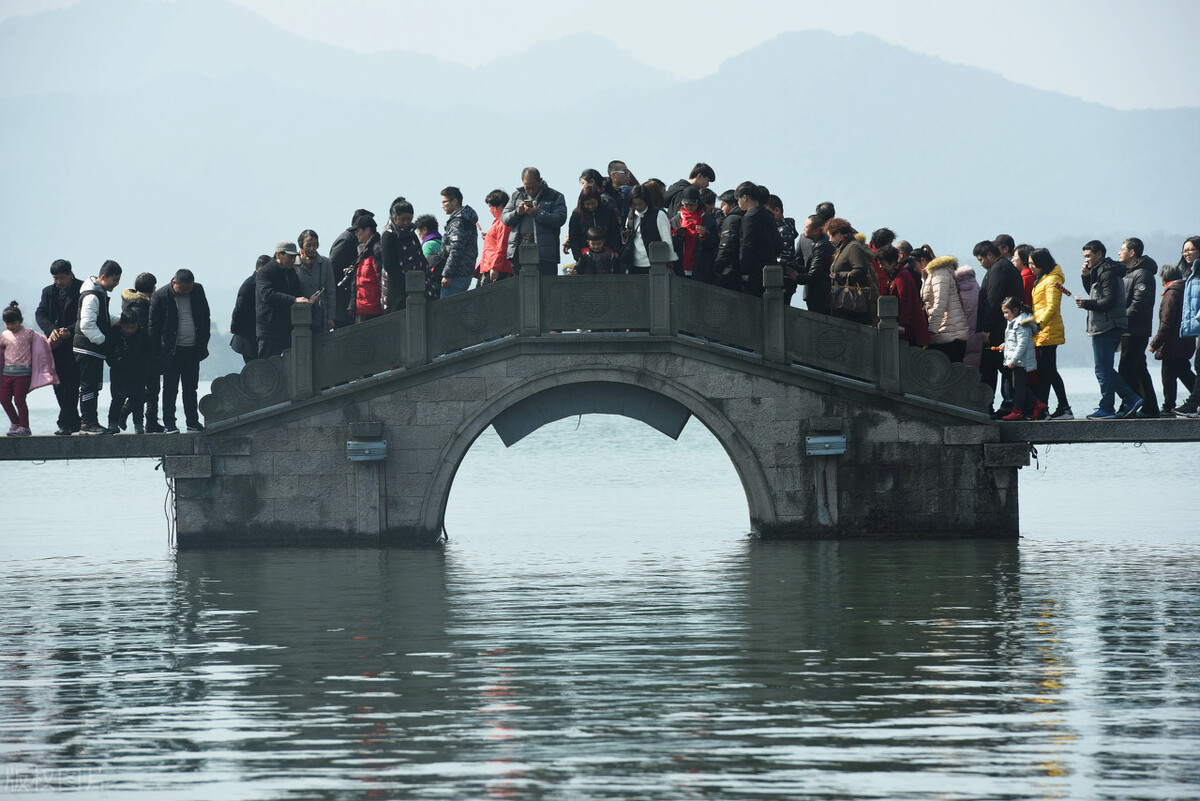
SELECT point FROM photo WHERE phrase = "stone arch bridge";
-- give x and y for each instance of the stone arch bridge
(835, 429)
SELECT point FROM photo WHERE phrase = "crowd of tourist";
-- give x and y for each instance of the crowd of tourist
(1009, 326)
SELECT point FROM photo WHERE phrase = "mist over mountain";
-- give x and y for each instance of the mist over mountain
(197, 134)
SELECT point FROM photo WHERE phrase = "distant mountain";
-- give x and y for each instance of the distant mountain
(196, 134)
(115, 46)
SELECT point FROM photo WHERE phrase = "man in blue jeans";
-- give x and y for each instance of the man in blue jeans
(1106, 322)
(460, 239)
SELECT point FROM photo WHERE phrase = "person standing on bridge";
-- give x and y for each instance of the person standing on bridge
(1168, 346)
(536, 213)
(92, 331)
(460, 238)
(1189, 325)
(241, 325)
(1107, 320)
(1047, 313)
(179, 332)
(26, 363)
(1140, 270)
(1001, 280)
(700, 177)
(276, 289)
(56, 315)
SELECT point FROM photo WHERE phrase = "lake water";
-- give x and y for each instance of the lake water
(600, 626)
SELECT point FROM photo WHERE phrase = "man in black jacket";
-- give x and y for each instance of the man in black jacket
(180, 324)
(56, 315)
(815, 273)
(276, 288)
(1002, 281)
(760, 242)
(1139, 308)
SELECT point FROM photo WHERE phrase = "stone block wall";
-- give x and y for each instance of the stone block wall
(908, 470)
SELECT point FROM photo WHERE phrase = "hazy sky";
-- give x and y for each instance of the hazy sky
(1121, 54)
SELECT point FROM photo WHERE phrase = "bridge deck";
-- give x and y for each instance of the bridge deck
(1067, 432)
(118, 446)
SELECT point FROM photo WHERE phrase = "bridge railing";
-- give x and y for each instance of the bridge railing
(658, 305)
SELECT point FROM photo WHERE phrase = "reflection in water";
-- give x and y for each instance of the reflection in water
(733, 669)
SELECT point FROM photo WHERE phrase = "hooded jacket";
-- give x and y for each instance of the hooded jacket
(1018, 342)
(939, 292)
(1047, 309)
(1139, 296)
(968, 293)
(543, 225)
(460, 237)
(139, 304)
(1167, 343)
(1105, 303)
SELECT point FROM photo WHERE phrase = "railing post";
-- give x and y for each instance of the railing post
(887, 344)
(529, 317)
(774, 316)
(300, 357)
(416, 345)
(660, 289)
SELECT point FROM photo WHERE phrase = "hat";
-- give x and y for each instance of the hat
(286, 247)
(689, 195)
(363, 221)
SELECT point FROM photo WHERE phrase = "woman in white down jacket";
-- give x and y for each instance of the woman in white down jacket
(948, 328)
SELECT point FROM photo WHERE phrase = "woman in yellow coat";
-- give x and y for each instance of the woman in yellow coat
(1047, 303)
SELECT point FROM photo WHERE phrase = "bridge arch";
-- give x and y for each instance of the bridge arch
(660, 402)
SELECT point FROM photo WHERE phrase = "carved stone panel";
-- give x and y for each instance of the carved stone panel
(827, 343)
(596, 302)
(472, 317)
(719, 314)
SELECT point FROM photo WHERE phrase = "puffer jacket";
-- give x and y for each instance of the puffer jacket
(1018, 342)
(1189, 325)
(460, 237)
(968, 293)
(1106, 302)
(1047, 309)
(1139, 296)
(1167, 344)
(939, 293)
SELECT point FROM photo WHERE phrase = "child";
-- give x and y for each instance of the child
(27, 363)
(128, 360)
(1020, 356)
(597, 258)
